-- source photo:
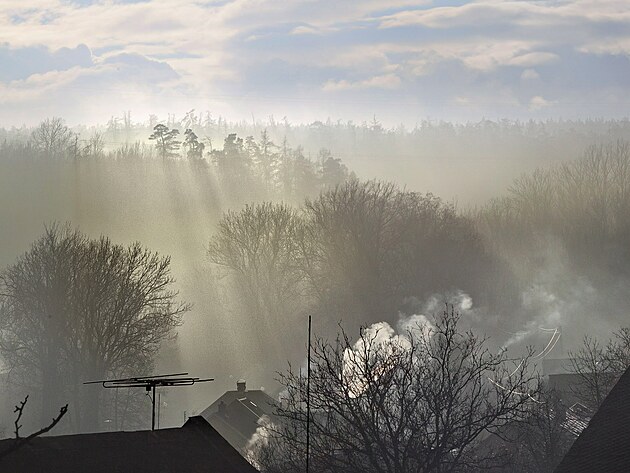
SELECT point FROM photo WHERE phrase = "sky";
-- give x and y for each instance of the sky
(402, 61)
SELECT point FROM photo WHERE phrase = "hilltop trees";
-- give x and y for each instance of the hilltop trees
(74, 309)
(52, 137)
(584, 204)
(194, 148)
(166, 141)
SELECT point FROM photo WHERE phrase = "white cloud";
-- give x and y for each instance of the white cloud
(407, 47)
(532, 59)
(387, 81)
(530, 74)
(538, 103)
(305, 29)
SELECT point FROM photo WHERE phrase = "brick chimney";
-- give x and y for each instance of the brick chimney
(241, 386)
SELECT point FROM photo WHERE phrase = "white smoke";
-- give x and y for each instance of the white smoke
(382, 342)
(259, 439)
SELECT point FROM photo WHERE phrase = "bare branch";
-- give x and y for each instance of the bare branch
(19, 442)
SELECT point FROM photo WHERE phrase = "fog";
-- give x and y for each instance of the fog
(522, 253)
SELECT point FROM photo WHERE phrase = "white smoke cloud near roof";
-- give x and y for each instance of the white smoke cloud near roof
(383, 341)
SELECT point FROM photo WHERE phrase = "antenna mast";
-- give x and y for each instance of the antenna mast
(149, 383)
(308, 398)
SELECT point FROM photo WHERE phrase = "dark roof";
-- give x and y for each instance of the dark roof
(236, 414)
(556, 366)
(604, 446)
(261, 400)
(195, 447)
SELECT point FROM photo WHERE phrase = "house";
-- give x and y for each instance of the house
(604, 445)
(560, 376)
(236, 414)
(194, 447)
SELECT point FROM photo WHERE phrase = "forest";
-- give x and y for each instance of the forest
(197, 244)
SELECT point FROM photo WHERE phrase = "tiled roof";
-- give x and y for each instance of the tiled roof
(195, 447)
(238, 419)
(577, 418)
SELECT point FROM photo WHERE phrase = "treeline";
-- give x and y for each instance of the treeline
(419, 156)
(583, 204)
(252, 169)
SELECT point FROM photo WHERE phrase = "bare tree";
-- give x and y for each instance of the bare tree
(96, 145)
(74, 309)
(369, 245)
(600, 366)
(259, 248)
(52, 137)
(542, 438)
(415, 402)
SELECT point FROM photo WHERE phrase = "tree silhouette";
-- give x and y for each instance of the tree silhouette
(52, 137)
(165, 140)
(415, 402)
(194, 148)
(74, 309)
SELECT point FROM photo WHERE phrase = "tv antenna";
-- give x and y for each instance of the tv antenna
(149, 383)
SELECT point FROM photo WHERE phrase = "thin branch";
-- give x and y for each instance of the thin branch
(19, 442)
(20, 410)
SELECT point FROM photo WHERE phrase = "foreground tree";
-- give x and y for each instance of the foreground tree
(416, 402)
(74, 309)
(540, 441)
(599, 366)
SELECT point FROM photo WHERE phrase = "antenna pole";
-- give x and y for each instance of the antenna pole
(153, 407)
(308, 398)
(149, 383)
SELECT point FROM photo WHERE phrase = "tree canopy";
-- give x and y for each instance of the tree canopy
(74, 309)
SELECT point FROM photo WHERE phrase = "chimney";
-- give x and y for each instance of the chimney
(240, 386)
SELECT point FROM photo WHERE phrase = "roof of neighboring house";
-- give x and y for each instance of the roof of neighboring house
(577, 418)
(604, 445)
(194, 447)
(236, 414)
(557, 366)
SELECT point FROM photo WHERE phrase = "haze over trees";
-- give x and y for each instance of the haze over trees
(74, 309)
(320, 236)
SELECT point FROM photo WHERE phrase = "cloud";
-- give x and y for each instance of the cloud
(373, 54)
(530, 74)
(306, 29)
(532, 59)
(388, 81)
(537, 103)
(20, 63)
